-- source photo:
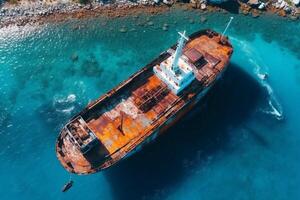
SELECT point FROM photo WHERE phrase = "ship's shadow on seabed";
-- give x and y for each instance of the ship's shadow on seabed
(164, 162)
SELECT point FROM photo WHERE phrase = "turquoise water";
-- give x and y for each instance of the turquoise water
(241, 143)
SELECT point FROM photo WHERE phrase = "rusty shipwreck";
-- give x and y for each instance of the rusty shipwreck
(142, 107)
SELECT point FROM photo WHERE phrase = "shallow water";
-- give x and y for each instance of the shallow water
(241, 143)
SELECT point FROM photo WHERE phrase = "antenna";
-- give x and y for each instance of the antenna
(228, 24)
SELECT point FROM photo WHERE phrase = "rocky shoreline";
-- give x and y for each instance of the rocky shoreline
(39, 12)
(20, 16)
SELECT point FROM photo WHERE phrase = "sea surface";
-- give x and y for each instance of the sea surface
(242, 142)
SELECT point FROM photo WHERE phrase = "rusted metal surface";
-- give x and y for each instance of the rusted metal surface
(138, 109)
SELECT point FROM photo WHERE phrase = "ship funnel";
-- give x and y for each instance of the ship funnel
(227, 26)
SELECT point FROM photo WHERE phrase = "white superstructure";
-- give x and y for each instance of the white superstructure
(175, 71)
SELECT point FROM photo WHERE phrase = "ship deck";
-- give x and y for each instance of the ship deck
(126, 116)
(123, 121)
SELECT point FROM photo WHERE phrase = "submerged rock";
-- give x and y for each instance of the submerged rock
(123, 30)
(191, 21)
(150, 23)
(293, 17)
(132, 30)
(74, 57)
(91, 67)
(165, 28)
(103, 23)
(203, 19)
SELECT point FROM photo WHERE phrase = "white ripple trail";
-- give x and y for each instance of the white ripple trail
(275, 108)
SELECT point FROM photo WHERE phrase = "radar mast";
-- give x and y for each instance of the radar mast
(178, 52)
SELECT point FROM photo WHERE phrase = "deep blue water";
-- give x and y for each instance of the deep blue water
(242, 142)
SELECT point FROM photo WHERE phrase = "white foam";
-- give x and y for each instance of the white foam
(65, 104)
(66, 110)
(260, 70)
(71, 98)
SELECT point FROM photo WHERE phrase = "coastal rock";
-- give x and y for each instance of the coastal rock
(168, 2)
(27, 12)
(245, 9)
(253, 3)
(296, 2)
(194, 3)
(262, 6)
(255, 13)
(287, 9)
(199, 4)
(282, 13)
(282, 4)
(217, 1)
(203, 6)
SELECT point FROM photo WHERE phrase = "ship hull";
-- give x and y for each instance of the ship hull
(140, 109)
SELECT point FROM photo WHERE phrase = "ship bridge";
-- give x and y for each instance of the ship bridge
(176, 71)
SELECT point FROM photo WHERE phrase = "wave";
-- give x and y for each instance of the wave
(67, 110)
(70, 99)
(275, 107)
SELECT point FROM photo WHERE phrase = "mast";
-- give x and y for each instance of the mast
(228, 24)
(178, 52)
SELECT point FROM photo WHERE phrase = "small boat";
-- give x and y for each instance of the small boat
(67, 186)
